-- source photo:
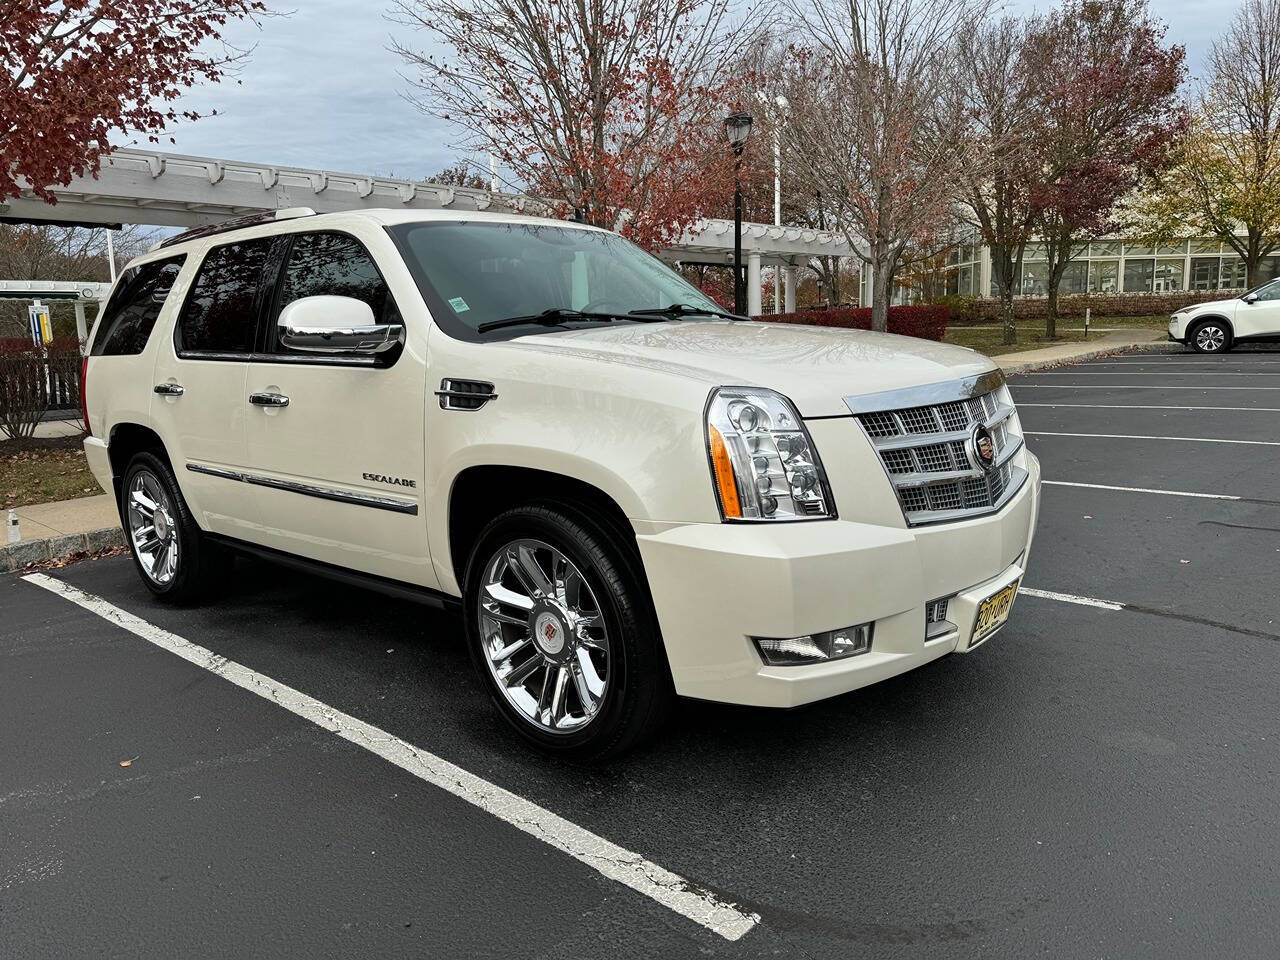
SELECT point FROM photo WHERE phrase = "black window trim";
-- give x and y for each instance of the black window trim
(224, 355)
(266, 299)
(100, 331)
(266, 340)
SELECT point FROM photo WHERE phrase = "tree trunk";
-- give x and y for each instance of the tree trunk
(1051, 311)
(1006, 308)
(882, 281)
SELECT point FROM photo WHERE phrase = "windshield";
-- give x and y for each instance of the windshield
(475, 273)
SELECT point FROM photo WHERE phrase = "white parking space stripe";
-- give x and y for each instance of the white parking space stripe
(1143, 406)
(1167, 493)
(1072, 598)
(1127, 436)
(607, 858)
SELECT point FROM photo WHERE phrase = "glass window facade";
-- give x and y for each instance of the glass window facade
(1204, 273)
(1168, 276)
(1104, 276)
(1138, 275)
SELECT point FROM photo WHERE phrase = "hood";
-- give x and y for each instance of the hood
(1226, 306)
(816, 367)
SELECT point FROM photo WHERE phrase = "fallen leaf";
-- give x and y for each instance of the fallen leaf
(1087, 517)
(129, 762)
(1184, 561)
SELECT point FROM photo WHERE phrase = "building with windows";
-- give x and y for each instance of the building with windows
(1106, 266)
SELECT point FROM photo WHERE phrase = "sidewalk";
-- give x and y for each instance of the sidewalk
(1025, 361)
(51, 531)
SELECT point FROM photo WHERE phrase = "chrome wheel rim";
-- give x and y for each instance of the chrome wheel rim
(543, 636)
(1210, 339)
(152, 528)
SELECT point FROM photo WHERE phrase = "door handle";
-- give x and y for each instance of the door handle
(169, 389)
(269, 399)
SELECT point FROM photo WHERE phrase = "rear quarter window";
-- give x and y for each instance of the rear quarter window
(131, 313)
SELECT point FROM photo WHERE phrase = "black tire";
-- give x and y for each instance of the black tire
(1209, 336)
(639, 691)
(200, 566)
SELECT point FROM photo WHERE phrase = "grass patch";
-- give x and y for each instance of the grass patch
(986, 337)
(43, 471)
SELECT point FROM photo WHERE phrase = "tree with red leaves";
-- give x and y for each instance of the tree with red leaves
(79, 71)
(611, 109)
(1109, 110)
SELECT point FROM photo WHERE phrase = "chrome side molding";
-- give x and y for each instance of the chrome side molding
(377, 502)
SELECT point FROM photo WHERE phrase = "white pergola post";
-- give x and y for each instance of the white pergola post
(82, 329)
(789, 286)
(753, 284)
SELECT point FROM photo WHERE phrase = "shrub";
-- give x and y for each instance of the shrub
(927, 322)
(1101, 304)
(964, 309)
(34, 380)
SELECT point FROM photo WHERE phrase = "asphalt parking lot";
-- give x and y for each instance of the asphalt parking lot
(1099, 781)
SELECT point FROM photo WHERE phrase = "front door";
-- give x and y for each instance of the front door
(1261, 317)
(197, 406)
(336, 443)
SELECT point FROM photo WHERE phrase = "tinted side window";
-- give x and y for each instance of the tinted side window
(220, 314)
(338, 265)
(129, 317)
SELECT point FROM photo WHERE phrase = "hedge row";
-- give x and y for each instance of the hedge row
(968, 310)
(927, 322)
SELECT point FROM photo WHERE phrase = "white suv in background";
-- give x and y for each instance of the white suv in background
(1217, 326)
(629, 493)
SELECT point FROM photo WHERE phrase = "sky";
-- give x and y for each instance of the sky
(322, 90)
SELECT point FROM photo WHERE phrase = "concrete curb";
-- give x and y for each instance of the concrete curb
(16, 556)
(1156, 346)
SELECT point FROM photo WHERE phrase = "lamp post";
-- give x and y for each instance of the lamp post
(737, 127)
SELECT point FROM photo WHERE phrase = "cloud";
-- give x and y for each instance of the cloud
(319, 90)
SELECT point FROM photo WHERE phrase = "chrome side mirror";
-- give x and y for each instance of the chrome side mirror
(336, 325)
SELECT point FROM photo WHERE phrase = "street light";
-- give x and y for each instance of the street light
(737, 127)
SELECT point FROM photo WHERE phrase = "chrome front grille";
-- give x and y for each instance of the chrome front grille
(925, 439)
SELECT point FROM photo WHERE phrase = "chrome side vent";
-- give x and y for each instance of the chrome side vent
(465, 394)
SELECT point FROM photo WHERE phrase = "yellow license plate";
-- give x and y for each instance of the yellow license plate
(993, 612)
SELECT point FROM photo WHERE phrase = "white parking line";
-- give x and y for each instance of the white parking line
(1127, 436)
(1144, 406)
(1072, 598)
(607, 858)
(1167, 493)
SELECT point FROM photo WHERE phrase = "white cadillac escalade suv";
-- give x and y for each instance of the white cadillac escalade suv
(629, 493)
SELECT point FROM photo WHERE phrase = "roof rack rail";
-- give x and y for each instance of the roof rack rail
(252, 220)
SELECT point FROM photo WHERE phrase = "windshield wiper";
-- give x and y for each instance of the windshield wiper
(686, 310)
(554, 317)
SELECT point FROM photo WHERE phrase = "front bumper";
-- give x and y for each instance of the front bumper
(716, 585)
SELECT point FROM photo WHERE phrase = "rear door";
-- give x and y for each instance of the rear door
(338, 451)
(199, 406)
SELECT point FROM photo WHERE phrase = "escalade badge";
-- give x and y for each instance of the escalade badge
(982, 448)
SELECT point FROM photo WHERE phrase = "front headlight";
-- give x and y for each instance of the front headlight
(763, 462)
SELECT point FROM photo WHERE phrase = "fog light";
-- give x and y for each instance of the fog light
(815, 647)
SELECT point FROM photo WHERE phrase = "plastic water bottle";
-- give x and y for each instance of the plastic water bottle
(12, 527)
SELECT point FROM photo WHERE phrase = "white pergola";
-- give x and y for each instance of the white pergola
(166, 189)
(78, 293)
